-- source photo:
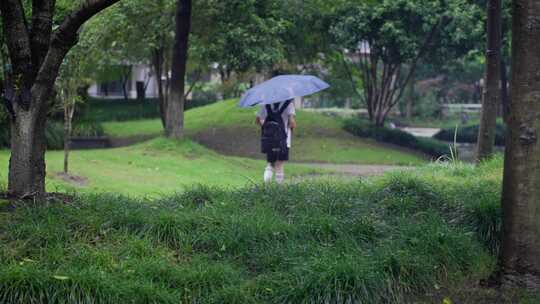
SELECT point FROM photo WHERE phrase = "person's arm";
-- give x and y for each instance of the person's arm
(261, 116)
(292, 122)
(292, 116)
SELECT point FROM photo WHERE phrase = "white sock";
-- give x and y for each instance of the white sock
(280, 176)
(268, 173)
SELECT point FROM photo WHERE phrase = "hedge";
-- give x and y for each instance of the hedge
(397, 137)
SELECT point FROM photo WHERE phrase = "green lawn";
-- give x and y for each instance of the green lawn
(157, 167)
(319, 138)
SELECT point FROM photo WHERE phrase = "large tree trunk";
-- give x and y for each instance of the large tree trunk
(492, 92)
(27, 163)
(36, 53)
(504, 90)
(175, 104)
(520, 256)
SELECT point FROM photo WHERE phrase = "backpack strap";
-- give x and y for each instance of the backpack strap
(284, 106)
(269, 111)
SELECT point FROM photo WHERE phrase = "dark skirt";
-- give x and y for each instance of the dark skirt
(272, 157)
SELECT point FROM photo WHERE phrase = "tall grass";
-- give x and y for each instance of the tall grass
(373, 241)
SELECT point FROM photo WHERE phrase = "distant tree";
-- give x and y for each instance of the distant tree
(72, 79)
(239, 35)
(491, 97)
(36, 51)
(520, 258)
(386, 40)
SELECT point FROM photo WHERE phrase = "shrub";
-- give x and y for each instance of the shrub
(469, 134)
(428, 146)
(103, 110)
(88, 129)
(54, 133)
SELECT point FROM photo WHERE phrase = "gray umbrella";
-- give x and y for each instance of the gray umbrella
(282, 88)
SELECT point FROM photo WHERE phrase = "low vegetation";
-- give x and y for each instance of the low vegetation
(431, 147)
(124, 110)
(469, 134)
(54, 133)
(377, 241)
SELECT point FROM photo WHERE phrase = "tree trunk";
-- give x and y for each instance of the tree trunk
(36, 52)
(125, 81)
(410, 99)
(520, 255)
(69, 110)
(27, 162)
(504, 90)
(175, 104)
(492, 92)
(158, 68)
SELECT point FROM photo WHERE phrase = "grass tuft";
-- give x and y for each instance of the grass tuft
(374, 241)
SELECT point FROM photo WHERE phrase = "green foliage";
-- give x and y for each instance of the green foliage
(88, 129)
(428, 146)
(106, 110)
(469, 134)
(239, 35)
(397, 30)
(103, 110)
(377, 242)
(54, 133)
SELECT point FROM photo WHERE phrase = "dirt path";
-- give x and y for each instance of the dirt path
(353, 170)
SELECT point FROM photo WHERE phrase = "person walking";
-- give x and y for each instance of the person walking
(277, 123)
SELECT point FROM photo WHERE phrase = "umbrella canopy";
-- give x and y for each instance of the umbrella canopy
(282, 88)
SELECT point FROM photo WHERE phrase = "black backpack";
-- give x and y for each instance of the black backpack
(274, 133)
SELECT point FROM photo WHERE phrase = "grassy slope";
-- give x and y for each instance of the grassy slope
(318, 139)
(156, 167)
(371, 242)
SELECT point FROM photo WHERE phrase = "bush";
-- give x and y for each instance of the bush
(469, 134)
(54, 133)
(88, 129)
(428, 146)
(360, 242)
(103, 110)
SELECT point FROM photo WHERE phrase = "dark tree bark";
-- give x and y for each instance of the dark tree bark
(492, 93)
(174, 122)
(504, 90)
(157, 61)
(36, 53)
(520, 256)
(409, 108)
(126, 73)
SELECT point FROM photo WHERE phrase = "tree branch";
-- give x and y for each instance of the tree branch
(62, 40)
(17, 39)
(40, 32)
(192, 86)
